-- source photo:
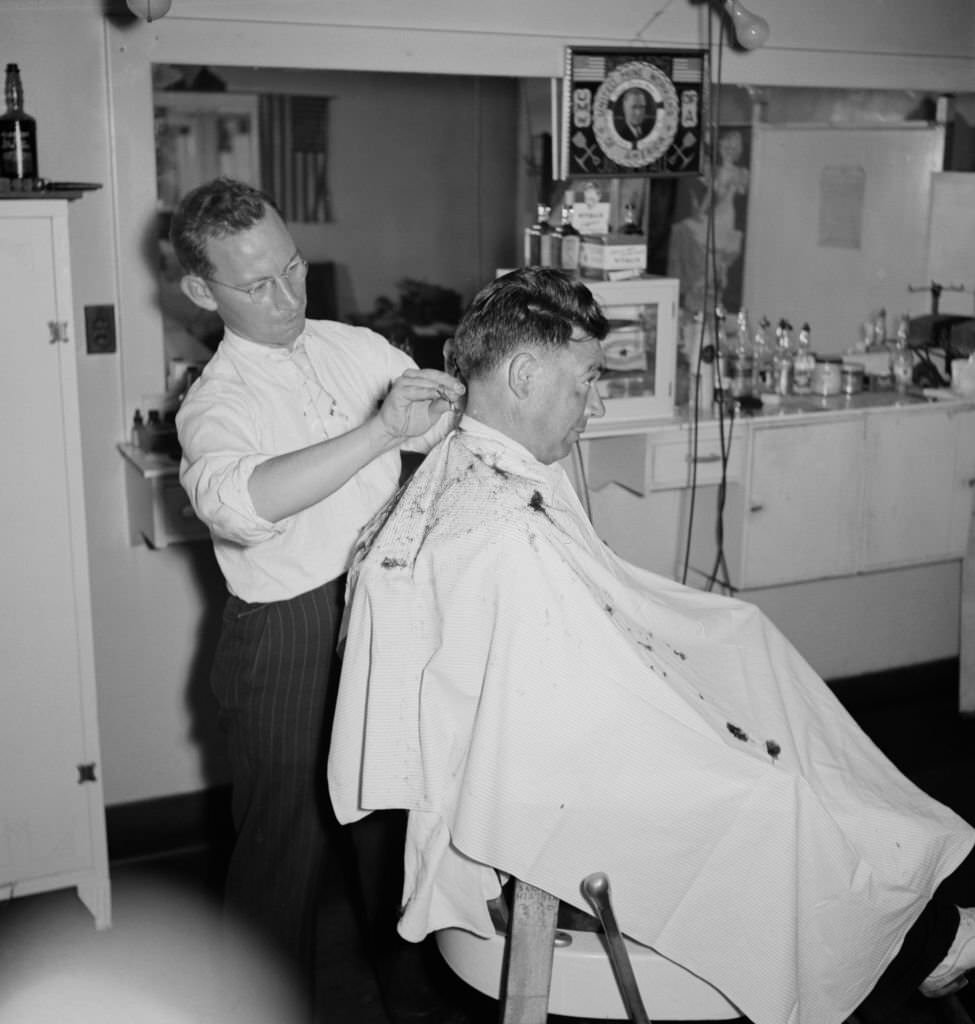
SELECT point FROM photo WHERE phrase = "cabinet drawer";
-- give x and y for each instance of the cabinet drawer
(672, 463)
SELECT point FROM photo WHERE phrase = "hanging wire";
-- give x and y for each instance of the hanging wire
(709, 303)
(710, 266)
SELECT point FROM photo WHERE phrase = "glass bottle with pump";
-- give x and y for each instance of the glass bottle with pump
(762, 354)
(902, 358)
(803, 363)
(741, 361)
(566, 240)
(18, 135)
(538, 239)
(782, 361)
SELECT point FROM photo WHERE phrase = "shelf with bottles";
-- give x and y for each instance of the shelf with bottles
(641, 347)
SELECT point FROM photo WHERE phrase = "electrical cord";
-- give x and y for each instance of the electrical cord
(720, 561)
(724, 410)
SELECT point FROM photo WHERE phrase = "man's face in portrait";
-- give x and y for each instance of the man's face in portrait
(635, 108)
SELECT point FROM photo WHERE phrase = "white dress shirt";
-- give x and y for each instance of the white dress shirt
(253, 402)
(544, 709)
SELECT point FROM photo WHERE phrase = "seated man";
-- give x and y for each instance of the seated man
(544, 709)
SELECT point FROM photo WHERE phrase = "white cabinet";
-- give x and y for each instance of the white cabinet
(801, 518)
(52, 822)
(917, 500)
(833, 496)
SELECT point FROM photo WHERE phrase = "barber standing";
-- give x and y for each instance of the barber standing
(291, 441)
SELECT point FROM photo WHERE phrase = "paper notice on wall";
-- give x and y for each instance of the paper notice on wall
(841, 192)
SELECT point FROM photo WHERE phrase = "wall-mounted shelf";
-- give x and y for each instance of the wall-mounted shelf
(160, 514)
(55, 190)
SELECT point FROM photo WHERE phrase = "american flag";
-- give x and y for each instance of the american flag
(687, 69)
(294, 155)
(588, 68)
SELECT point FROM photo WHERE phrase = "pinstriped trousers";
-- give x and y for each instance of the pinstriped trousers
(274, 676)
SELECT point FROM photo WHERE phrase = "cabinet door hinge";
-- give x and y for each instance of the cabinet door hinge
(86, 773)
(59, 331)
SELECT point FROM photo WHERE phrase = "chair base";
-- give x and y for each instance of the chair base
(583, 984)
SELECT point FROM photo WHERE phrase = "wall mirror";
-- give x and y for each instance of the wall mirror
(431, 179)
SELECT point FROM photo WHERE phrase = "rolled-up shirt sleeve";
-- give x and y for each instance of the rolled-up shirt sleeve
(221, 449)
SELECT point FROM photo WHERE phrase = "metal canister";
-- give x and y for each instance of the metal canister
(827, 376)
(852, 376)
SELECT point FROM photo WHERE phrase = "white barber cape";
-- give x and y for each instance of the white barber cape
(543, 708)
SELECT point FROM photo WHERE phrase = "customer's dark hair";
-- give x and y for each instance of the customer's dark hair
(214, 209)
(536, 306)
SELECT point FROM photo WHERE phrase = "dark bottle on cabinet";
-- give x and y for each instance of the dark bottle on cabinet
(18, 135)
(538, 239)
(566, 240)
(630, 226)
(137, 435)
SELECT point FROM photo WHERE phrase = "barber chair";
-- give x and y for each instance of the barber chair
(535, 968)
(538, 968)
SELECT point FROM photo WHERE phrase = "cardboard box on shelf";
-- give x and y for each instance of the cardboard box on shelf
(613, 257)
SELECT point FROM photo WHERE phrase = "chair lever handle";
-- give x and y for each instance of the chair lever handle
(595, 888)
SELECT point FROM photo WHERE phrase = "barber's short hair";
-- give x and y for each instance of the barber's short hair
(536, 306)
(223, 206)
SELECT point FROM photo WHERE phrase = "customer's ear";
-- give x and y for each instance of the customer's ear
(522, 373)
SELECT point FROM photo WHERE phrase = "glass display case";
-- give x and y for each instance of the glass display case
(641, 348)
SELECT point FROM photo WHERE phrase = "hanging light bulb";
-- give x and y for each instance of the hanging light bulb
(149, 10)
(751, 31)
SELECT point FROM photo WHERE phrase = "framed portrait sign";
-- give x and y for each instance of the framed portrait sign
(633, 112)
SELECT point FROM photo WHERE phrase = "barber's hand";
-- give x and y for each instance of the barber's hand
(417, 399)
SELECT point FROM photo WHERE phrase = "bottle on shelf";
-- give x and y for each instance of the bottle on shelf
(901, 357)
(137, 435)
(803, 363)
(741, 361)
(152, 430)
(566, 240)
(18, 132)
(538, 239)
(879, 339)
(762, 356)
(783, 359)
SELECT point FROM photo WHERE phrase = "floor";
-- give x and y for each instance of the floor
(158, 962)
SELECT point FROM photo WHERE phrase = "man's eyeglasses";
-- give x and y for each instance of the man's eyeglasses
(263, 291)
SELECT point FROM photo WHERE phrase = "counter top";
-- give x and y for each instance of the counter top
(791, 406)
